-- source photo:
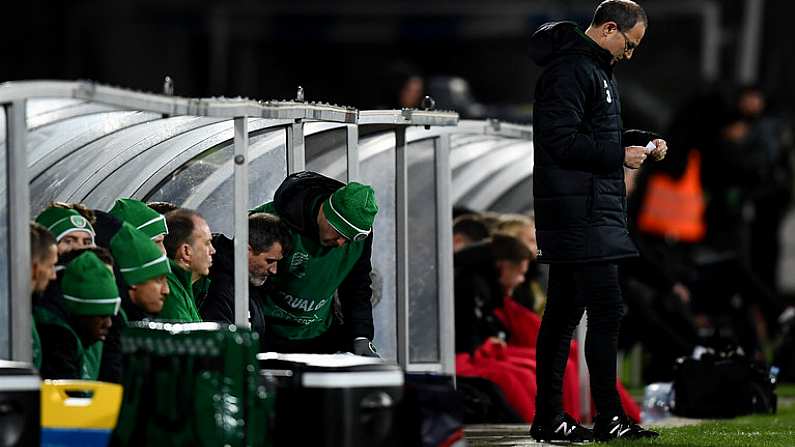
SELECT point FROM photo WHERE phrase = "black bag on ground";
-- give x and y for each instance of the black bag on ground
(722, 385)
(433, 411)
(784, 357)
(484, 402)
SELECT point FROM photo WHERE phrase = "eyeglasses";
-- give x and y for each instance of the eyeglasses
(629, 46)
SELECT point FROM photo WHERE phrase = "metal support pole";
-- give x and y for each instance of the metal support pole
(241, 222)
(19, 303)
(353, 152)
(402, 247)
(711, 40)
(296, 157)
(582, 369)
(444, 246)
(750, 43)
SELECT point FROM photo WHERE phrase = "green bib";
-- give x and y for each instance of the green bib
(299, 302)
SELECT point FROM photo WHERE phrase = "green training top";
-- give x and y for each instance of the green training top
(180, 304)
(298, 305)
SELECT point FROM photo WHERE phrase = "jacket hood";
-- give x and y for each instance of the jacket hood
(298, 199)
(477, 259)
(555, 39)
(106, 226)
(224, 257)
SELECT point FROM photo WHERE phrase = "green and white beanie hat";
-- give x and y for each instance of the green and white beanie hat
(89, 288)
(62, 221)
(140, 216)
(138, 258)
(351, 211)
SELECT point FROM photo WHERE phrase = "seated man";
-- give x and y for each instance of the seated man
(468, 229)
(531, 292)
(143, 269)
(330, 226)
(140, 216)
(190, 251)
(485, 273)
(268, 239)
(43, 257)
(71, 230)
(72, 329)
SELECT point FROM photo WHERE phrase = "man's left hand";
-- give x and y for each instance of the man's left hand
(658, 153)
(362, 346)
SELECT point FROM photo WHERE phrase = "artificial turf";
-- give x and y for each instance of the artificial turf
(757, 430)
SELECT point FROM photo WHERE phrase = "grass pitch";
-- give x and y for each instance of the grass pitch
(757, 430)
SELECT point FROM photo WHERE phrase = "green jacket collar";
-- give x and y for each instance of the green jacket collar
(185, 277)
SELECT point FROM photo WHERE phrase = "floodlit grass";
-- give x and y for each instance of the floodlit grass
(757, 430)
(785, 390)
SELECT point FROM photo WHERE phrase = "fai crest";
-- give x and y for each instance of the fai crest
(298, 264)
(78, 221)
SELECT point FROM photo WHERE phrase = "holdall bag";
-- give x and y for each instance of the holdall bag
(433, 410)
(722, 385)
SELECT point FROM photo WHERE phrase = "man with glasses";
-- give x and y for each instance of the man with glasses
(330, 226)
(580, 208)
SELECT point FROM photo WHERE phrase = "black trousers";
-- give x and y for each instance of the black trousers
(574, 289)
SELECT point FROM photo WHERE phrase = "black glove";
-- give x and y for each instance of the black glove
(363, 346)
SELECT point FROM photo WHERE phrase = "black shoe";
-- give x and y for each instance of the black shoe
(560, 428)
(605, 429)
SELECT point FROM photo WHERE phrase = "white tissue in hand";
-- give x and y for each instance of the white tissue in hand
(650, 147)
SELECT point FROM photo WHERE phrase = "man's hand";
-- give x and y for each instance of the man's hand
(497, 341)
(660, 150)
(362, 346)
(681, 291)
(634, 156)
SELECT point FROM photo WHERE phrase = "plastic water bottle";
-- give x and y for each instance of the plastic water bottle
(774, 370)
(657, 402)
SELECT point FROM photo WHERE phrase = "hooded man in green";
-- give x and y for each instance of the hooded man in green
(143, 286)
(144, 269)
(331, 234)
(72, 331)
(143, 218)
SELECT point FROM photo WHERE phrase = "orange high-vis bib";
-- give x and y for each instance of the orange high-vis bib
(674, 208)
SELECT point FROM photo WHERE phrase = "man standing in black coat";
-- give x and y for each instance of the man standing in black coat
(580, 206)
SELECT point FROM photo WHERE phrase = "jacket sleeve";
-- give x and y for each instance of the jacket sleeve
(110, 369)
(355, 294)
(219, 304)
(635, 137)
(560, 121)
(466, 334)
(59, 353)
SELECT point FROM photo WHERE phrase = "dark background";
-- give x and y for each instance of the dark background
(340, 52)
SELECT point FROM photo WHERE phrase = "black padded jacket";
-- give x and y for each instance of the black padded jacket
(220, 302)
(578, 178)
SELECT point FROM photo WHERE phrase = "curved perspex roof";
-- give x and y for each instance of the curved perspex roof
(93, 144)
